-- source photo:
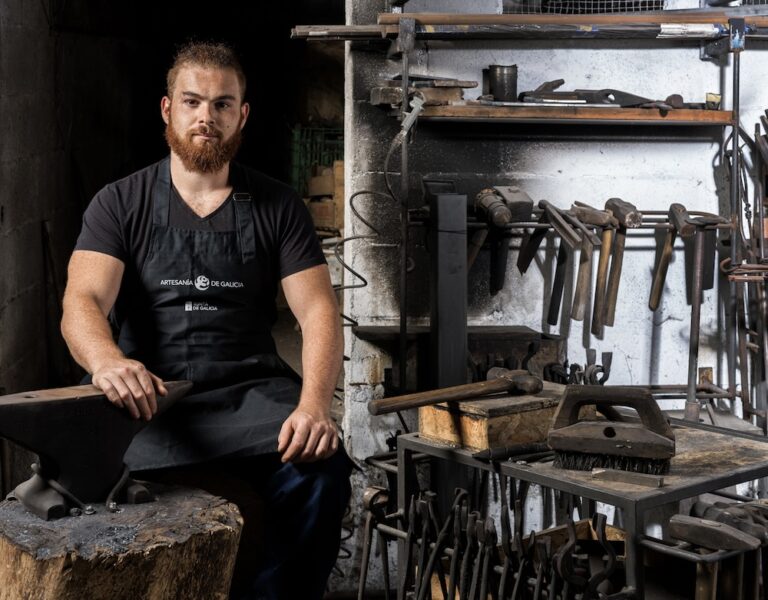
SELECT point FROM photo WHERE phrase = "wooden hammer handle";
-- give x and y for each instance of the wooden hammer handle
(520, 384)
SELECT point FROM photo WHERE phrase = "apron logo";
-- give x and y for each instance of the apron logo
(190, 306)
(202, 283)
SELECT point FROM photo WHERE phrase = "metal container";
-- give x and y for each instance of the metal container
(502, 82)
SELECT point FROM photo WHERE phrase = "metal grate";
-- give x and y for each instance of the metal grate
(313, 146)
(579, 7)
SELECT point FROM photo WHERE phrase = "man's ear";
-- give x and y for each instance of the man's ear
(245, 109)
(165, 108)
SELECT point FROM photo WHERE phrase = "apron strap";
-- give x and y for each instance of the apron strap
(246, 234)
(161, 194)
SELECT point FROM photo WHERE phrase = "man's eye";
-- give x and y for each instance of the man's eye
(190, 102)
(222, 105)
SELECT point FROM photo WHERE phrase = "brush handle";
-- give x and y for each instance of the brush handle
(577, 396)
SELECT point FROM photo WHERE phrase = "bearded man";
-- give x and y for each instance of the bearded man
(182, 260)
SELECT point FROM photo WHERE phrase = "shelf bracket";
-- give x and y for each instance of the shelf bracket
(404, 42)
(734, 42)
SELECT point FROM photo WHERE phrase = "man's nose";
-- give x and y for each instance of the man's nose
(205, 114)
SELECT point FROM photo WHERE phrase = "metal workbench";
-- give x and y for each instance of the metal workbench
(707, 459)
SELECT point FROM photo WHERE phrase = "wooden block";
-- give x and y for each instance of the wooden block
(338, 193)
(320, 185)
(181, 546)
(323, 213)
(492, 422)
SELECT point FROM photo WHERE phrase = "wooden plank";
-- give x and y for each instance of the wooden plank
(646, 18)
(651, 116)
(338, 193)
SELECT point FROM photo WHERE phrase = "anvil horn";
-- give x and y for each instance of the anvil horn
(80, 438)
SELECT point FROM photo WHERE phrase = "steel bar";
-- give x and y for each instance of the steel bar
(735, 204)
(405, 36)
(692, 406)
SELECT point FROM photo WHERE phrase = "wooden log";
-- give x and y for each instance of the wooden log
(181, 546)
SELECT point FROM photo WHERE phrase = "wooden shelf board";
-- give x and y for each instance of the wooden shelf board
(585, 115)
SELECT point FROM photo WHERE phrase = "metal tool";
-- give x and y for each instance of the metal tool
(507, 547)
(628, 217)
(608, 223)
(410, 540)
(80, 438)
(645, 447)
(459, 518)
(679, 225)
(584, 278)
(531, 241)
(710, 534)
(546, 92)
(437, 551)
(508, 452)
(511, 382)
(469, 553)
(375, 499)
(642, 479)
(603, 572)
(490, 538)
(558, 283)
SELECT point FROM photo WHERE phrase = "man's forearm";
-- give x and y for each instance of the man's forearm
(322, 355)
(88, 334)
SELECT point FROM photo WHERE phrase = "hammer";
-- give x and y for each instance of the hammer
(514, 382)
(605, 220)
(628, 217)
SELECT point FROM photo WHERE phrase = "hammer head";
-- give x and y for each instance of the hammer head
(79, 436)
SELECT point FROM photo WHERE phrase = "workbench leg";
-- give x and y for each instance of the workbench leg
(407, 485)
(634, 527)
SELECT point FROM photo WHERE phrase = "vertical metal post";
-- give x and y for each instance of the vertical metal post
(634, 526)
(405, 40)
(692, 406)
(448, 289)
(737, 44)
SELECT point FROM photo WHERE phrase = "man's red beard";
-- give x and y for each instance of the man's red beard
(208, 157)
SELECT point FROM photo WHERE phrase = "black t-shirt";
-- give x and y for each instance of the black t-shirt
(118, 222)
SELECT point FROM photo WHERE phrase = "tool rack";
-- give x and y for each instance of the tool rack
(399, 33)
(708, 459)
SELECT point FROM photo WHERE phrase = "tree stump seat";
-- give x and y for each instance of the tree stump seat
(183, 545)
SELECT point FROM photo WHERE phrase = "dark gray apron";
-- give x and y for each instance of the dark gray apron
(201, 316)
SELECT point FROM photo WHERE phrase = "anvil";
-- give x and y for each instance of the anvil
(80, 438)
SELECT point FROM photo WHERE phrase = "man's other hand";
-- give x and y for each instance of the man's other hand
(128, 384)
(307, 436)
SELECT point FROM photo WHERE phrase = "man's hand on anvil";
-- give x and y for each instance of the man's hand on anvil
(307, 435)
(128, 384)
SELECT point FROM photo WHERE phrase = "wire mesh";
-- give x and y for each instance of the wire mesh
(579, 7)
(313, 146)
(588, 7)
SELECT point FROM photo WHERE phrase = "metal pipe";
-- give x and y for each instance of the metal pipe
(731, 322)
(403, 341)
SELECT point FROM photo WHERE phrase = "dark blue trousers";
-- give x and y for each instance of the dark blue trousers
(292, 516)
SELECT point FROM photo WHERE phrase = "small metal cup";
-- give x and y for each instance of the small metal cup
(502, 82)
